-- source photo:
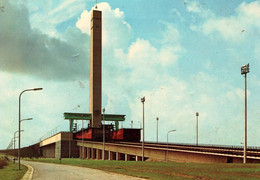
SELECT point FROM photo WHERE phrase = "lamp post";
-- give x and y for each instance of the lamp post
(197, 129)
(19, 127)
(168, 142)
(28, 119)
(16, 136)
(103, 152)
(157, 119)
(14, 140)
(82, 139)
(244, 71)
(143, 100)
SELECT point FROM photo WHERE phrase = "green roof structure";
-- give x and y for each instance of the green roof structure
(87, 116)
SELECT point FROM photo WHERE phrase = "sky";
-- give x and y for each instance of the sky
(184, 56)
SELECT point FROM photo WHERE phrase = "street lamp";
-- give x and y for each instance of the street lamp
(103, 153)
(197, 129)
(28, 119)
(14, 141)
(82, 140)
(244, 71)
(143, 100)
(16, 136)
(157, 128)
(19, 128)
(168, 142)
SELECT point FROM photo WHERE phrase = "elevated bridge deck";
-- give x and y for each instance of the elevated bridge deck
(162, 152)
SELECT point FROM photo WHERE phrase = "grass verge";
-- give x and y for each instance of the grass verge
(10, 172)
(167, 170)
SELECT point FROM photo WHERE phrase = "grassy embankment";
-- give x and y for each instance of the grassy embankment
(168, 170)
(9, 171)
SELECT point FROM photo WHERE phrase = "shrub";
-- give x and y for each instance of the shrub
(3, 162)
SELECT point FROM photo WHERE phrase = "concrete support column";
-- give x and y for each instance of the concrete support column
(80, 155)
(117, 156)
(84, 153)
(88, 153)
(127, 157)
(98, 153)
(106, 155)
(110, 155)
(80, 152)
(94, 153)
(138, 158)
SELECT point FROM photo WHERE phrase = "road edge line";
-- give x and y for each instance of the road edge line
(29, 173)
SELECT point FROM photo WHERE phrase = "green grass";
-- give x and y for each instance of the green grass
(10, 172)
(168, 170)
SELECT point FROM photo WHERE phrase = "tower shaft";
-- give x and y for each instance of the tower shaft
(95, 92)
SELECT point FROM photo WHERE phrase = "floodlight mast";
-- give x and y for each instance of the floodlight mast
(143, 100)
(157, 119)
(244, 71)
(197, 129)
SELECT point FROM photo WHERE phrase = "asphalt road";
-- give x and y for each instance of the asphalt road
(48, 171)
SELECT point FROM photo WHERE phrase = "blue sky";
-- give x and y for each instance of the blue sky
(184, 56)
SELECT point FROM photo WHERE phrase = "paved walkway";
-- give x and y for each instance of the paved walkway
(48, 171)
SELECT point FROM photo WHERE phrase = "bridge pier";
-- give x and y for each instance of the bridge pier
(119, 156)
(106, 155)
(82, 152)
(138, 158)
(93, 153)
(99, 153)
(127, 157)
(111, 155)
(88, 153)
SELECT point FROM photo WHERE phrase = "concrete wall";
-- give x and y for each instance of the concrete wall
(59, 145)
(61, 149)
(48, 151)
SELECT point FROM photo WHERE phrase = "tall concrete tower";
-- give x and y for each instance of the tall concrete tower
(95, 92)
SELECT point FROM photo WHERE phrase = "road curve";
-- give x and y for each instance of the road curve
(48, 171)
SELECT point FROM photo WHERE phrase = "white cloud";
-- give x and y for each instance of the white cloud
(83, 22)
(46, 107)
(196, 8)
(64, 6)
(114, 27)
(193, 7)
(236, 94)
(47, 20)
(238, 27)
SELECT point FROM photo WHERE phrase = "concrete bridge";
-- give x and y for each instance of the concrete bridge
(156, 152)
(62, 145)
